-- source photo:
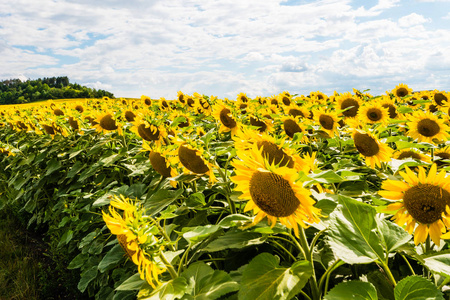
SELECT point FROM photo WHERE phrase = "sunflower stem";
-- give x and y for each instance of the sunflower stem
(285, 250)
(169, 266)
(388, 273)
(308, 256)
(409, 265)
(326, 276)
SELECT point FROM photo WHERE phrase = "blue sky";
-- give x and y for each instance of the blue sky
(156, 48)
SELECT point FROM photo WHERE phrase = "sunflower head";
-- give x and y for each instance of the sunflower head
(427, 127)
(349, 104)
(401, 90)
(421, 202)
(371, 148)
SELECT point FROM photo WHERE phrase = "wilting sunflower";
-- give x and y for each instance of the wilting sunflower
(421, 202)
(348, 102)
(328, 121)
(371, 148)
(427, 127)
(273, 192)
(401, 91)
(224, 115)
(373, 113)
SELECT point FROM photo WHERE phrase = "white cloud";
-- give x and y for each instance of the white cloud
(216, 47)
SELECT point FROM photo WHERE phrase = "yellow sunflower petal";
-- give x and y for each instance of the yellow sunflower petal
(395, 185)
(435, 233)
(393, 195)
(420, 234)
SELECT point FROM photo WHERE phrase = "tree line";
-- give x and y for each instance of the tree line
(16, 91)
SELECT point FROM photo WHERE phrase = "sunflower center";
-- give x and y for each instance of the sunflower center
(148, 102)
(286, 100)
(191, 161)
(401, 92)
(409, 154)
(296, 112)
(274, 154)
(432, 108)
(348, 103)
(374, 114)
(439, 98)
(79, 108)
(159, 164)
(129, 116)
(365, 144)
(428, 128)
(391, 109)
(426, 202)
(273, 194)
(147, 134)
(326, 121)
(73, 123)
(291, 127)
(258, 123)
(225, 118)
(58, 112)
(108, 123)
(443, 155)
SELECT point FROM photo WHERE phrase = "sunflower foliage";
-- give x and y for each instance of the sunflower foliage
(280, 197)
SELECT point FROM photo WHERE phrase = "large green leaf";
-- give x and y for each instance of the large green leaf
(111, 258)
(352, 232)
(199, 233)
(86, 277)
(161, 199)
(265, 279)
(132, 283)
(235, 240)
(170, 290)
(392, 235)
(355, 290)
(439, 263)
(204, 283)
(417, 288)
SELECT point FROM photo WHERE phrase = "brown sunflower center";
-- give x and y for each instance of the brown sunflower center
(273, 194)
(226, 119)
(129, 116)
(443, 155)
(286, 100)
(432, 108)
(426, 202)
(428, 128)
(274, 154)
(48, 129)
(147, 134)
(79, 108)
(409, 154)
(122, 238)
(391, 109)
(191, 161)
(108, 123)
(350, 103)
(439, 98)
(258, 123)
(291, 127)
(159, 164)
(326, 121)
(147, 102)
(73, 123)
(58, 112)
(365, 144)
(374, 114)
(296, 112)
(401, 92)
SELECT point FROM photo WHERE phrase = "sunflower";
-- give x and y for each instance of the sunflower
(181, 98)
(411, 153)
(298, 111)
(284, 98)
(401, 91)
(371, 148)
(348, 103)
(328, 121)
(389, 104)
(421, 202)
(273, 192)
(373, 113)
(427, 127)
(441, 155)
(261, 124)
(106, 122)
(224, 115)
(148, 131)
(191, 156)
(441, 98)
(292, 125)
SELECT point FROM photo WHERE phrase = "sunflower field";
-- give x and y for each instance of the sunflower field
(283, 197)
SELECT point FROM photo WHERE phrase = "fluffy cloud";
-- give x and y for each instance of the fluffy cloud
(220, 47)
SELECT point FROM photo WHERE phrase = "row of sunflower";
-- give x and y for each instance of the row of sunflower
(332, 182)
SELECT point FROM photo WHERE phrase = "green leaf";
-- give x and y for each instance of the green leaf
(111, 258)
(439, 263)
(384, 288)
(264, 279)
(355, 290)
(86, 277)
(417, 288)
(235, 240)
(75, 169)
(195, 200)
(78, 261)
(133, 283)
(200, 233)
(204, 283)
(161, 199)
(170, 290)
(392, 235)
(352, 232)
(234, 220)
(327, 177)
(66, 238)
(52, 166)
